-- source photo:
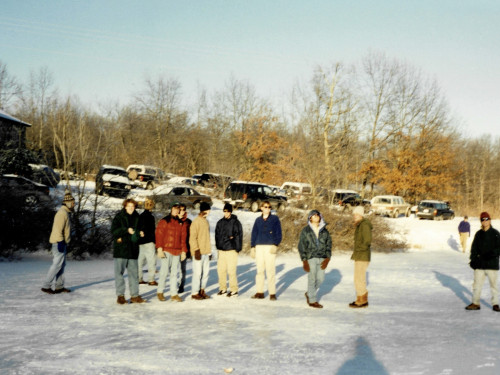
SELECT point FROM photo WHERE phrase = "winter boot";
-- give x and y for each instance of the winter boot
(161, 297)
(137, 299)
(121, 300)
(62, 290)
(473, 306)
(272, 297)
(153, 283)
(197, 296)
(176, 298)
(361, 301)
(258, 296)
(203, 294)
(316, 305)
(48, 291)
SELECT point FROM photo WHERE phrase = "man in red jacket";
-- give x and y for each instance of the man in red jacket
(171, 246)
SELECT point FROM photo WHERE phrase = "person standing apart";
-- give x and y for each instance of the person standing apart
(315, 249)
(183, 217)
(199, 243)
(171, 247)
(147, 251)
(229, 241)
(126, 234)
(266, 237)
(361, 256)
(464, 232)
(484, 255)
(60, 237)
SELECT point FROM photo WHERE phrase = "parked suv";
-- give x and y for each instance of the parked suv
(113, 181)
(146, 176)
(297, 192)
(390, 205)
(250, 195)
(351, 200)
(434, 210)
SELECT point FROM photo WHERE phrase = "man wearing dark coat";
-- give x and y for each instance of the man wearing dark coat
(484, 255)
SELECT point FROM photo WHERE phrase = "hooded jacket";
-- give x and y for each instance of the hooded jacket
(311, 246)
(485, 250)
(229, 234)
(125, 245)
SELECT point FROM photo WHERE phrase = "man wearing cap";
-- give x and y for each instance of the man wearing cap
(484, 255)
(229, 241)
(59, 238)
(361, 256)
(464, 232)
(171, 246)
(199, 243)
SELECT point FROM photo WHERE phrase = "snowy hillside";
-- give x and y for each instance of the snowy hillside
(415, 324)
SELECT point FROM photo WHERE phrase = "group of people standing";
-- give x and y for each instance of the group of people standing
(138, 240)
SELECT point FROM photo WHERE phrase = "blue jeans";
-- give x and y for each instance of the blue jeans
(133, 279)
(169, 265)
(56, 270)
(315, 278)
(200, 273)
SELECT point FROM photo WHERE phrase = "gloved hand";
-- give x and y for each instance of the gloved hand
(252, 252)
(305, 265)
(324, 263)
(183, 256)
(61, 246)
(197, 254)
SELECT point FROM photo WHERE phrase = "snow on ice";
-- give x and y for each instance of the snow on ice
(415, 324)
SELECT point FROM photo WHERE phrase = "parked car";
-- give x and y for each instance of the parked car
(165, 195)
(22, 191)
(350, 200)
(45, 175)
(390, 205)
(247, 194)
(296, 192)
(434, 210)
(146, 176)
(113, 181)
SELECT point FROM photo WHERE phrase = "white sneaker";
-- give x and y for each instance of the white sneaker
(232, 294)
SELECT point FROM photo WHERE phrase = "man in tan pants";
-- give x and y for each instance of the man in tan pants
(228, 240)
(361, 256)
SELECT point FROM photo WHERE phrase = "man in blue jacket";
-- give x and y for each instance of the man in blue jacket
(266, 236)
(484, 255)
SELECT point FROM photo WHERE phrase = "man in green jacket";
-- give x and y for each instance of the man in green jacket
(361, 256)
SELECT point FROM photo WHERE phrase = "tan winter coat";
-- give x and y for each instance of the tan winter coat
(199, 236)
(61, 229)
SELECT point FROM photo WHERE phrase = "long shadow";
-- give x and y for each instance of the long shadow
(288, 278)
(93, 283)
(364, 361)
(453, 243)
(460, 291)
(332, 279)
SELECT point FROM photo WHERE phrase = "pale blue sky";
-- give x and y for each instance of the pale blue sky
(103, 50)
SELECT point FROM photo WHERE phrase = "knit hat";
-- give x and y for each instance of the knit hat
(228, 207)
(358, 210)
(484, 215)
(68, 197)
(174, 204)
(204, 206)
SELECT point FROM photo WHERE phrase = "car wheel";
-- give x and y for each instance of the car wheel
(395, 214)
(408, 212)
(254, 207)
(31, 200)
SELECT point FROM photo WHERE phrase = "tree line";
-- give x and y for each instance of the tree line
(377, 126)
